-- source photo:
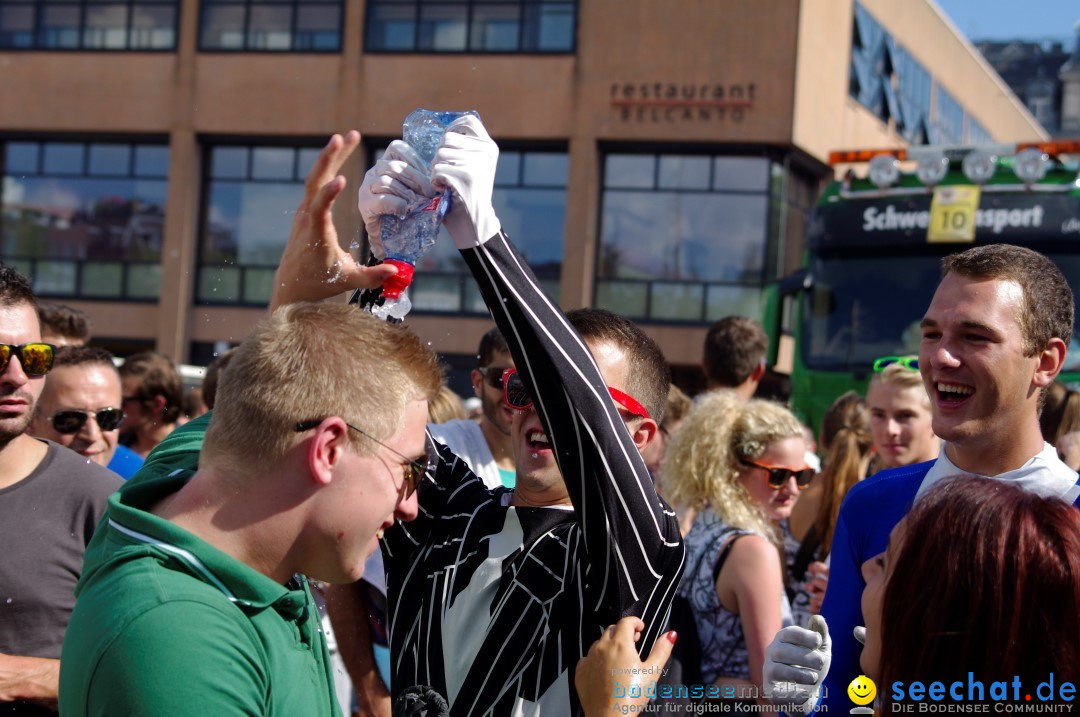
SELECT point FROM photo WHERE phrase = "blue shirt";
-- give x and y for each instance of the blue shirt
(870, 511)
(125, 462)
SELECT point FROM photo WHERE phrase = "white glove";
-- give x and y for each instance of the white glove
(796, 663)
(396, 183)
(465, 163)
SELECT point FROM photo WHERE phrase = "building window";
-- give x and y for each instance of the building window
(685, 237)
(530, 201)
(251, 193)
(948, 125)
(540, 26)
(85, 220)
(271, 25)
(88, 24)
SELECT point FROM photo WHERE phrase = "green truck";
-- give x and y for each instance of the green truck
(875, 240)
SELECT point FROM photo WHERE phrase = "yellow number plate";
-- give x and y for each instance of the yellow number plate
(952, 214)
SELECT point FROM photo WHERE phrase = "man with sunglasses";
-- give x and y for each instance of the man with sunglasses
(993, 339)
(80, 406)
(50, 502)
(496, 594)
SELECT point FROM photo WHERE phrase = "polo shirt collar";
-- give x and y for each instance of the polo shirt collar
(130, 521)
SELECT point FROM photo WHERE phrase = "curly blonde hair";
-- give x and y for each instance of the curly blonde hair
(702, 465)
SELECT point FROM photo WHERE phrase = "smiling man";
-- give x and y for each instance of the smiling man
(80, 406)
(495, 594)
(993, 338)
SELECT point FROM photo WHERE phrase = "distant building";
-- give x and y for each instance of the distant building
(1044, 76)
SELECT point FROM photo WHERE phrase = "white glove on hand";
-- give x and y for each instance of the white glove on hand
(465, 163)
(796, 663)
(397, 182)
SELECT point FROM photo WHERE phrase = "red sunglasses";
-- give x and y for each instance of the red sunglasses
(517, 397)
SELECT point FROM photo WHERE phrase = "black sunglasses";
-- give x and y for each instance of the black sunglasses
(777, 477)
(493, 375)
(72, 421)
(36, 359)
(414, 469)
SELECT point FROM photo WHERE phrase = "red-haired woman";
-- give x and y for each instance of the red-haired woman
(980, 583)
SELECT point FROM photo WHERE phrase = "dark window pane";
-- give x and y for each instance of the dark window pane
(21, 157)
(272, 163)
(223, 27)
(270, 28)
(436, 293)
(495, 27)
(630, 171)
(317, 27)
(229, 162)
(683, 172)
(114, 218)
(110, 159)
(741, 174)
(144, 282)
(56, 278)
(106, 27)
(442, 27)
(546, 169)
(248, 223)
(677, 302)
(59, 26)
(219, 283)
(151, 161)
(258, 285)
(535, 218)
(391, 27)
(63, 158)
(17, 26)
(549, 27)
(306, 160)
(628, 298)
(508, 171)
(102, 279)
(702, 237)
(153, 27)
(732, 301)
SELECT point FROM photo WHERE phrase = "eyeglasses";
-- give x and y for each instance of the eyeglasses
(777, 476)
(493, 375)
(72, 421)
(909, 362)
(414, 469)
(36, 359)
(517, 397)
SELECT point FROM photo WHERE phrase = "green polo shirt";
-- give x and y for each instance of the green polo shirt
(166, 624)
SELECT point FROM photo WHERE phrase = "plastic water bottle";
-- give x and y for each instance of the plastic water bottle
(407, 239)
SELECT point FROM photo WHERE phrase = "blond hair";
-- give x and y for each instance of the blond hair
(703, 462)
(901, 377)
(310, 361)
(445, 406)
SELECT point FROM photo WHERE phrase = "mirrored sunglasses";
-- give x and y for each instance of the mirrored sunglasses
(777, 476)
(518, 398)
(909, 362)
(68, 422)
(36, 359)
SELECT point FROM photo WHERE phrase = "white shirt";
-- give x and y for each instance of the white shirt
(1044, 475)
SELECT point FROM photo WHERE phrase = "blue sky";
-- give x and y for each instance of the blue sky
(1015, 19)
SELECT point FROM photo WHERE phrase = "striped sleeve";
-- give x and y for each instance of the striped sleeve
(632, 547)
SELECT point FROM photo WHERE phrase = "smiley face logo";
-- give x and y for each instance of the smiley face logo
(862, 690)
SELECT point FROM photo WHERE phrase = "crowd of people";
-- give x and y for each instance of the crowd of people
(592, 529)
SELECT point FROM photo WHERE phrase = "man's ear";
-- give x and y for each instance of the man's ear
(477, 380)
(759, 372)
(326, 448)
(158, 405)
(1051, 360)
(644, 433)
